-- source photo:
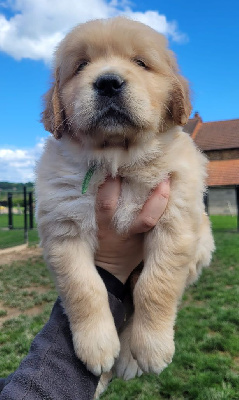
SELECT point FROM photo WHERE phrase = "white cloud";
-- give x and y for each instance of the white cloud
(159, 23)
(17, 165)
(35, 27)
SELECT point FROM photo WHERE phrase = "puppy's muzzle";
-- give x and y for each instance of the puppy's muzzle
(109, 85)
(112, 114)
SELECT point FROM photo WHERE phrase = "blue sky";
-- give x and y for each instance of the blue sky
(204, 35)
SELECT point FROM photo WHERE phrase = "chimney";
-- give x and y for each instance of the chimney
(197, 125)
(197, 116)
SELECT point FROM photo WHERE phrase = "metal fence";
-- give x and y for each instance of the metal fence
(17, 210)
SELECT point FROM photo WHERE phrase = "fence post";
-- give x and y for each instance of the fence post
(237, 201)
(30, 210)
(25, 214)
(9, 200)
(205, 199)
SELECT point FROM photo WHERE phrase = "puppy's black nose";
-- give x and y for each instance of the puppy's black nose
(109, 85)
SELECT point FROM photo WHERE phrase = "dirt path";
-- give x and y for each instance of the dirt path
(19, 253)
(15, 312)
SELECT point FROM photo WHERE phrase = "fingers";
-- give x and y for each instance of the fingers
(152, 209)
(107, 199)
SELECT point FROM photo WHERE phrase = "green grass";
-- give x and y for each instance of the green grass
(224, 222)
(18, 221)
(206, 361)
(24, 286)
(15, 237)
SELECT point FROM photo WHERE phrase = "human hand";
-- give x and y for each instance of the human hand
(120, 254)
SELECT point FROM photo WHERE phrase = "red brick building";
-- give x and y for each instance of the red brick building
(219, 140)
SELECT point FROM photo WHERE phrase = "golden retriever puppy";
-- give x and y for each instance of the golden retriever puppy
(116, 107)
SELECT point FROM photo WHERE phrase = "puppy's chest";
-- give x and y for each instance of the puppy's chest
(78, 202)
(136, 187)
(80, 183)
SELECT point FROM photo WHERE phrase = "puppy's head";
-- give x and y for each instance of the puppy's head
(115, 83)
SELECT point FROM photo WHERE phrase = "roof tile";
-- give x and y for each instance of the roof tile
(218, 135)
(223, 173)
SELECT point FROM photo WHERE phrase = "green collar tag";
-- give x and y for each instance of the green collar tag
(87, 178)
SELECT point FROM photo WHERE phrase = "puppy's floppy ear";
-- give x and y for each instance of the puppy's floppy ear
(180, 105)
(53, 115)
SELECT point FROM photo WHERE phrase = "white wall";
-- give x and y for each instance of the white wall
(222, 201)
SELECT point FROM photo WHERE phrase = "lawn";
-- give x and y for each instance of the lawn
(224, 222)
(17, 220)
(206, 362)
(15, 237)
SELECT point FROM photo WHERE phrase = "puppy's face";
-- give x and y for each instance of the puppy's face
(115, 84)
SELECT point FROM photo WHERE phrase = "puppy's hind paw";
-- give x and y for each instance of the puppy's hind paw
(126, 367)
(102, 384)
(98, 349)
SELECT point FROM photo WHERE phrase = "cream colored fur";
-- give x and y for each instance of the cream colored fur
(156, 99)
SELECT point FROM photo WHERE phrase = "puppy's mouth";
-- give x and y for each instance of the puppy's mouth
(117, 142)
(110, 117)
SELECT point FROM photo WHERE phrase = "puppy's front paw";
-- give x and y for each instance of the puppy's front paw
(153, 350)
(97, 346)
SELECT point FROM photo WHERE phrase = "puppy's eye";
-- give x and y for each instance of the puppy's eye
(81, 66)
(141, 63)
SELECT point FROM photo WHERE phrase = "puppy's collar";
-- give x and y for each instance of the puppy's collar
(87, 178)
